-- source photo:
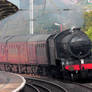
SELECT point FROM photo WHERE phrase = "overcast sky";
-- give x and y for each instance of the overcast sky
(16, 2)
(65, 2)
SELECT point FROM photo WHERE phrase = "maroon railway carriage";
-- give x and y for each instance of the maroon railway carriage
(23, 53)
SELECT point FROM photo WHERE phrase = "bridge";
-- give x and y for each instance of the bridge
(6, 9)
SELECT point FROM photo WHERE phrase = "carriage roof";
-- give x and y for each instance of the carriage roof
(24, 38)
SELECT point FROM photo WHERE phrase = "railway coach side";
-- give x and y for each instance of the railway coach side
(24, 53)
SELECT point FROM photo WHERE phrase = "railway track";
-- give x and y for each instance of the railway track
(30, 88)
(41, 88)
(86, 86)
(40, 85)
(76, 87)
(69, 86)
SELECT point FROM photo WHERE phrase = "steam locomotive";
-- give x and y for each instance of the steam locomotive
(61, 54)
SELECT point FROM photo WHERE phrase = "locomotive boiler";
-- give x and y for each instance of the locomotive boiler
(61, 54)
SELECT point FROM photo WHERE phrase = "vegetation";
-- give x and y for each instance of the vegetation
(87, 20)
(88, 24)
(89, 33)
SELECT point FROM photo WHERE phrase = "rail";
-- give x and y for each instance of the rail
(47, 85)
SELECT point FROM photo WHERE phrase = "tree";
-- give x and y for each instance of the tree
(89, 33)
(87, 20)
(88, 24)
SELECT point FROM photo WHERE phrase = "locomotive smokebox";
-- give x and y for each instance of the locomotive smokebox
(72, 42)
(79, 45)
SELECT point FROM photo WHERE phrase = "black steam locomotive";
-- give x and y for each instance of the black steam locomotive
(72, 53)
(64, 54)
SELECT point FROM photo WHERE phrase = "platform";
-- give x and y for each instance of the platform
(10, 82)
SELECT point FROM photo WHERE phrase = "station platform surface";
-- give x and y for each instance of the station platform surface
(10, 82)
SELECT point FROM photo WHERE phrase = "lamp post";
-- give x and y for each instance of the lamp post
(31, 14)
